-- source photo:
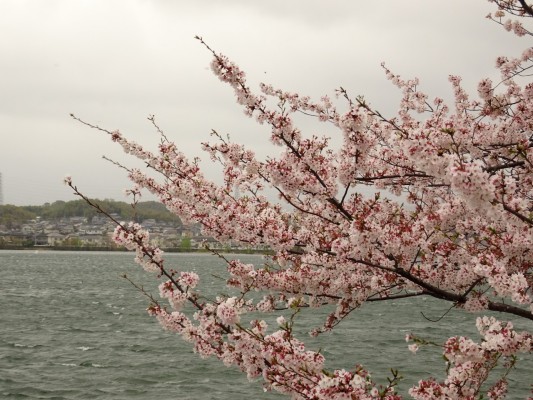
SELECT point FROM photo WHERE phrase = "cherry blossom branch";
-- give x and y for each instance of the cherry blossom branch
(459, 232)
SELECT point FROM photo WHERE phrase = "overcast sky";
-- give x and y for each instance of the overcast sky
(114, 62)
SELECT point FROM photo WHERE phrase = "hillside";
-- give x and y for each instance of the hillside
(14, 215)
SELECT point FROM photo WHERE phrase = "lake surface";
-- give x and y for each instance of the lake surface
(72, 328)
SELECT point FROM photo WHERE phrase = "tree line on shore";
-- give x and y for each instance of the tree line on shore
(11, 215)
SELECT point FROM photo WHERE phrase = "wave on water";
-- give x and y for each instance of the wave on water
(83, 364)
(27, 346)
(91, 364)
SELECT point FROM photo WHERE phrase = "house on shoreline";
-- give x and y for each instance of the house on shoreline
(79, 233)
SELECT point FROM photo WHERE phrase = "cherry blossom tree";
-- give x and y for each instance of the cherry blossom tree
(450, 217)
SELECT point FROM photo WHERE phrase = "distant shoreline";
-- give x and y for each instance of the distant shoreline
(124, 250)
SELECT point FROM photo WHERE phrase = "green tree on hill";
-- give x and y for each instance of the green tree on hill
(13, 215)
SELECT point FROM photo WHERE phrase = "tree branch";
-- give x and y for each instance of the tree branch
(526, 7)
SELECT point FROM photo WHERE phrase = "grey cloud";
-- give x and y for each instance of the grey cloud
(115, 62)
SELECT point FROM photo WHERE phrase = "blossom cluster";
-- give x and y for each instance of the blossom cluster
(470, 363)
